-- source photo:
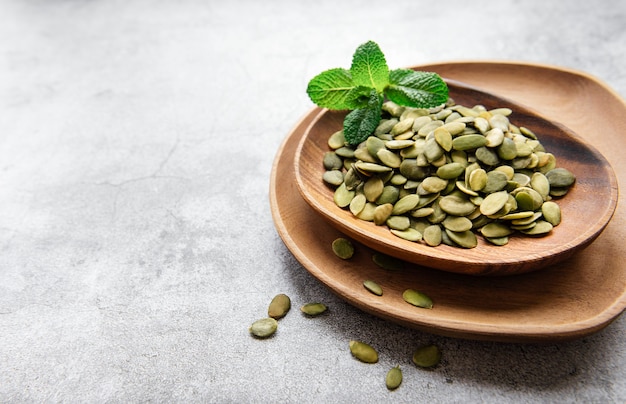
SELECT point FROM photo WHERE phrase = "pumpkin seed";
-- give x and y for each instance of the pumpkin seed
(357, 204)
(336, 140)
(333, 177)
(343, 196)
(313, 309)
(393, 378)
(373, 287)
(264, 327)
(551, 212)
(279, 306)
(382, 213)
(465, 239)
(363, 352)
(407, 234)
(457, 223)
(468, 142)
(417, 299)
(494, 202)
(560, 177)
(432, 235)
(427, 356)
(343, 248)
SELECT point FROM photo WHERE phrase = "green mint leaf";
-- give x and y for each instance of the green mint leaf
(359, 97)
(360, 123)
(369, 67)
(333, 89)
(416, 89)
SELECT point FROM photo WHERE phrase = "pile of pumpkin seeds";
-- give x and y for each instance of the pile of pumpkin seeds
(446, 174)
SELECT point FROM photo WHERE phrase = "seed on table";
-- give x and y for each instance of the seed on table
(427, 356)
(393, 378)
(313, 309)
(336, 140)
(333, 177)
(417, 299)
(343, 248)
(264, 327)
(363, 352)
(373, 287)
(332, 161)
(279, 306)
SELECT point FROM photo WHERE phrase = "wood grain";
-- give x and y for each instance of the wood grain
(586, 209)
(568, 300)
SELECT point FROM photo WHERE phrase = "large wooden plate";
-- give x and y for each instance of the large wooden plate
(571, 299)
(586, 209)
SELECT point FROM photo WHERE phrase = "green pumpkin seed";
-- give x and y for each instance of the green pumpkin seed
(336, 140)
(551, 212)
(417, 299)
(313, 309)
(495, 230)
(279, 306)
(357, 204)
(332, 161)
(390, 195)
(542, 227)
(443, 138)
(494, 202)
(422, 212)
(432, 185)
(389, 158)
(343, 248)
(367, 214)
(478, 179)
(457, 223)
(496, 181)
(560, 177)
(343, 196)
(382, 213)
(468, 142)
(407, 234)
(264, 328)
(363, 352)
(333, 177)
(427, 356)
(373, 287)
(393, 378)
(450, 171)
(398, 222)
(456, 206)
(373, 188)
(465, 239)
(487, 156)
(432, 235)
(499, 241)
(405, 204)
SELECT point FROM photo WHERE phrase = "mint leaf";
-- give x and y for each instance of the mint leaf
(332, 89)
(360, 123)
(369, 67)
(416, 89)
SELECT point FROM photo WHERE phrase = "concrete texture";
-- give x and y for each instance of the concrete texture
(136, 241)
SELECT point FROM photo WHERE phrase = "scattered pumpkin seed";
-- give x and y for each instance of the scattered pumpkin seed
(427, 356)
(417, 299)
(393, 378)
(264, 327)
(373, 287)
(313, 309)
(363, 352)
(343, 248)
(279, 306)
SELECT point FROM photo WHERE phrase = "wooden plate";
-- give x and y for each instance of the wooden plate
(586, 209)
(574, 298)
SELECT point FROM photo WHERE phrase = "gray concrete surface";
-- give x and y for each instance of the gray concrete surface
(136, 241)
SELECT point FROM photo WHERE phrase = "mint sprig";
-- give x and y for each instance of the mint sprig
(367, 84)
